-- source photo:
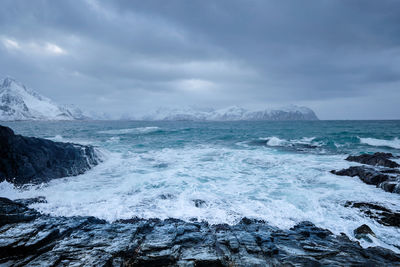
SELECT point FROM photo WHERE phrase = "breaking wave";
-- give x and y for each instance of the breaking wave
(139, 130)
(395, 143)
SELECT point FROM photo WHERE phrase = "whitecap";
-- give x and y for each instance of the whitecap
(394, 143)
(57, 138)
(138, 130)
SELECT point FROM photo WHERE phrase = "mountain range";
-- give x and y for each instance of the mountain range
(18, 102)
(233, 113)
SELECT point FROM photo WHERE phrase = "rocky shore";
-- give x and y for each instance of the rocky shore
(35, 160)
(28, 238)
(384, 173)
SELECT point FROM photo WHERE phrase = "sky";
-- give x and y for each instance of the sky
(339, 57)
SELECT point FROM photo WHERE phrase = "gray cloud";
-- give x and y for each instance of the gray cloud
(340, 57)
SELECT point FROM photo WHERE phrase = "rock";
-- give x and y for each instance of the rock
(377, 212)
(30, 238)
(377, 159)
(388, 180)
(363, 231)
(34, 160)
(199, 203)
(366, 174)
(29, 201)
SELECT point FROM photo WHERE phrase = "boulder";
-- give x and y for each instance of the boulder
(26, 160)
(363, 232)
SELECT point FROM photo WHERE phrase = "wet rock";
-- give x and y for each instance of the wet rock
(34, 160)
(199, 203)
(387, 179)
(377, 212)
(377, 159)
(363, 232)
(30, 201)
(366, 174)
(166, 196)
(39, 240)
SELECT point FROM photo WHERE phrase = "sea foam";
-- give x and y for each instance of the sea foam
(138, 130)
(394, 143)
(230, 184)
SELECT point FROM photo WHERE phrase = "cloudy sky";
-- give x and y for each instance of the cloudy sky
(338, 57)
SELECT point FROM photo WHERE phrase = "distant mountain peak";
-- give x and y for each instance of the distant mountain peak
(18, 102)
(232, 113)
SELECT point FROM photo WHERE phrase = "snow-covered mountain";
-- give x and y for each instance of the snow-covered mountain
(18, 102)
(233, 113)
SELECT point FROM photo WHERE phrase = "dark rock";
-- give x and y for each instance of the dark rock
(377, 159)
(199, 203)
(29, 201)
(379, 213)
(366, 174)
(34, 160)
(33, 239)
(385, 179)
(363, 231)
(166, 196)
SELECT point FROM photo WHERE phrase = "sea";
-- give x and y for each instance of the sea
(219, 172)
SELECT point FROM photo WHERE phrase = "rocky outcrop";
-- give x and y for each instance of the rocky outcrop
(30, 238)
(377, 212)
(386, 178)
(35, 160)
(377, 159)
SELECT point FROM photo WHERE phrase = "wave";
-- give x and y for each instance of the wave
(138, 130)
(282, 189)
(394, 143)
(59, 138)
(278, 142)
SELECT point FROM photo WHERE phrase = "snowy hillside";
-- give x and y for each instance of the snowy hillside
(18, 102)
(233, 113)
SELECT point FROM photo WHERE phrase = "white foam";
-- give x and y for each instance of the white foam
(275, 141)
(59, 138)
(139, 130)
(394, 143)
(281, 188)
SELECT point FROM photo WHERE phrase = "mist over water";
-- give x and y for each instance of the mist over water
(219, 172)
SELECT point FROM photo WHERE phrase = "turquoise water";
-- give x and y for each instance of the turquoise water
(219, 172)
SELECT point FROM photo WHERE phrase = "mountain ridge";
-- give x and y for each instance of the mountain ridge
(18, 102)
(232, 113)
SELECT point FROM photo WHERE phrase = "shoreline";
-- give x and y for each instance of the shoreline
(29, 237)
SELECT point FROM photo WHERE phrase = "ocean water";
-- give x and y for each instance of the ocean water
(220, 172)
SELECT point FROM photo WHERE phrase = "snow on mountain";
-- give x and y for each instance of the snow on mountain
(234, 113)
(18, 102)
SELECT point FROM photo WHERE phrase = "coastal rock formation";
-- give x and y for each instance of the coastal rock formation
(377, 159)
(35, 160)
(386, 178)
(30, 238)
(377, 212)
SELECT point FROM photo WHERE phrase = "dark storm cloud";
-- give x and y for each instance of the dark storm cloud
(340, 57)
